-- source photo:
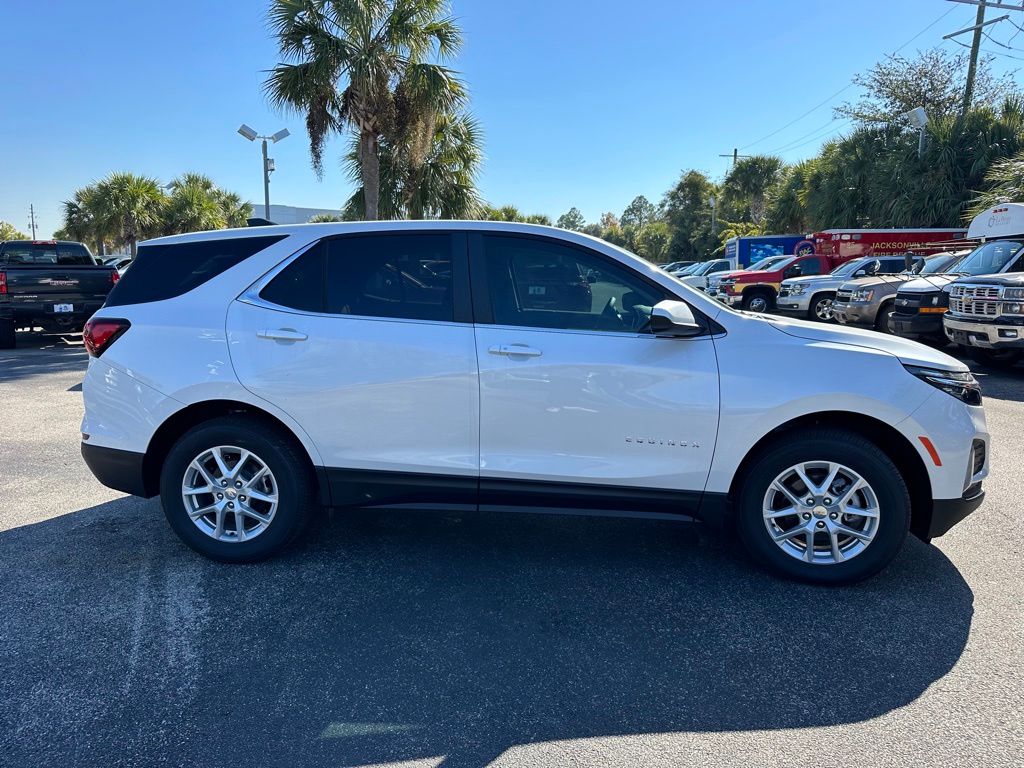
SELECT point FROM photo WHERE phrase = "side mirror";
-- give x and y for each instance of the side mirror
(673, 320)
(874, 267)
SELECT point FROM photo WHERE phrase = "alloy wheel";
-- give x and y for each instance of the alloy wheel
(821, 512)
(823, 309)
(230, 494)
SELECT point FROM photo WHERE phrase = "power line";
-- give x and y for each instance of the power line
(845, 88)
(815, 135)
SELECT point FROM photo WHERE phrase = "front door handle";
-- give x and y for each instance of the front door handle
(282, 334)
(515, 350)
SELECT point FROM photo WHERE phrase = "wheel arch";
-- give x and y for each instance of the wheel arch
(197, 413)
(889, 440)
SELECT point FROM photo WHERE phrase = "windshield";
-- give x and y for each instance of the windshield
(850, 267)
(768, 263)
(989, 258)
(687, 270)
(704, 268)
(939, 264)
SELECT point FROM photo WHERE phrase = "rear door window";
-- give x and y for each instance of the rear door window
(162, 272)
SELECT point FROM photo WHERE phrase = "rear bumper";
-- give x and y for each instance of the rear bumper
(948, 512)
(117, 469)
(42, 312)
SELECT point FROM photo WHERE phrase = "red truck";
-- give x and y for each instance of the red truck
(756, 290)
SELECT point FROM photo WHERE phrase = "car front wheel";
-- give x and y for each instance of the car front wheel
(827, 507)
(821, 307)
(236, 491)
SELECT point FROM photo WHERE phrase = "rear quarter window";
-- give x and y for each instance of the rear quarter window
(162, 272)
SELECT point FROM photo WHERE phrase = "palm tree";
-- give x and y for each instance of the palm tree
(746, 186)
(129, 206)
(361, 64)
(437, 180)
(193, 205)
(82, 218)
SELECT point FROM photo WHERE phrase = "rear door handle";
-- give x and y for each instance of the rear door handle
(282, 334)
(515, 350)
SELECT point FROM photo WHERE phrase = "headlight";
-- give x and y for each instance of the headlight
(727, 281)
(1013, 293)
(797, 289)
(1013, 308)
(960, 384)
(862, 294)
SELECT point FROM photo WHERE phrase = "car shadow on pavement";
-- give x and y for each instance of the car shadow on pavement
(38, 354)
(402, 635)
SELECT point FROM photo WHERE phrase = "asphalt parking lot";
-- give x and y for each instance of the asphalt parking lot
(418, 639)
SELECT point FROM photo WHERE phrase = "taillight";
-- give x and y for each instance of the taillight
(114, 277)
(3, 283)
(100, 332)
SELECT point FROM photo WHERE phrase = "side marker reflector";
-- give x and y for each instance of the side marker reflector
(931, 450)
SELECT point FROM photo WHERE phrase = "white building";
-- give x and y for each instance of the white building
(289, 214)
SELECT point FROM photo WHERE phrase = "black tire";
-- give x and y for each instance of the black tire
(882, 318)
(821, 307)
(1000, 359)
(8, 338)
(296, 487)
(759, 299)
(861, 456)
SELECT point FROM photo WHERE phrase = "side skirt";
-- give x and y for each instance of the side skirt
(411, 490)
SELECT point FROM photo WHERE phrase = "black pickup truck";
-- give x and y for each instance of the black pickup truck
(50, 283)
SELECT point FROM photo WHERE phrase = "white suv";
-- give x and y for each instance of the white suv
(250, 377)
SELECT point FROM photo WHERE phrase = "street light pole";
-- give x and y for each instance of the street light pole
(266, 183)
(268, 162)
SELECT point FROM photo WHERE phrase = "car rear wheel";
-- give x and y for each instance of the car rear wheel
(8, 339)
(236, 491)
(821, 307)
(827, 507)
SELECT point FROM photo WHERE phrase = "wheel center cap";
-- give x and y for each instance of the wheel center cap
(820, 511)
(231, 493)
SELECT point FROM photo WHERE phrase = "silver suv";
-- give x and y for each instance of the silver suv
(869, 301)
(812, 296)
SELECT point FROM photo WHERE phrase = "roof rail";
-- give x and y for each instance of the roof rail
(256, 222)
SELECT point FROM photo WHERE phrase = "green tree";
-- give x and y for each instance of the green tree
(787, 200)
(326, 218)
(746, 186)
(434, 182)
(10, 232)
(572, 219)
(653, 240)
(193, 205)
(128, 207)
(733, 229)
(363, 65)
(1004, 183)
(639, 212)
(686, 208)
(935, 80)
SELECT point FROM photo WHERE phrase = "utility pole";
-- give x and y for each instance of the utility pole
(735, 156)
(972, 68)
(32, 219)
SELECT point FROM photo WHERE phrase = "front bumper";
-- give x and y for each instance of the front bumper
(853, 314)
(916, 326)
(793, 304)
(948, 512)
(117, 469)
(986, 335)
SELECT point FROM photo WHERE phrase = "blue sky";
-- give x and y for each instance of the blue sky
(582, 103)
